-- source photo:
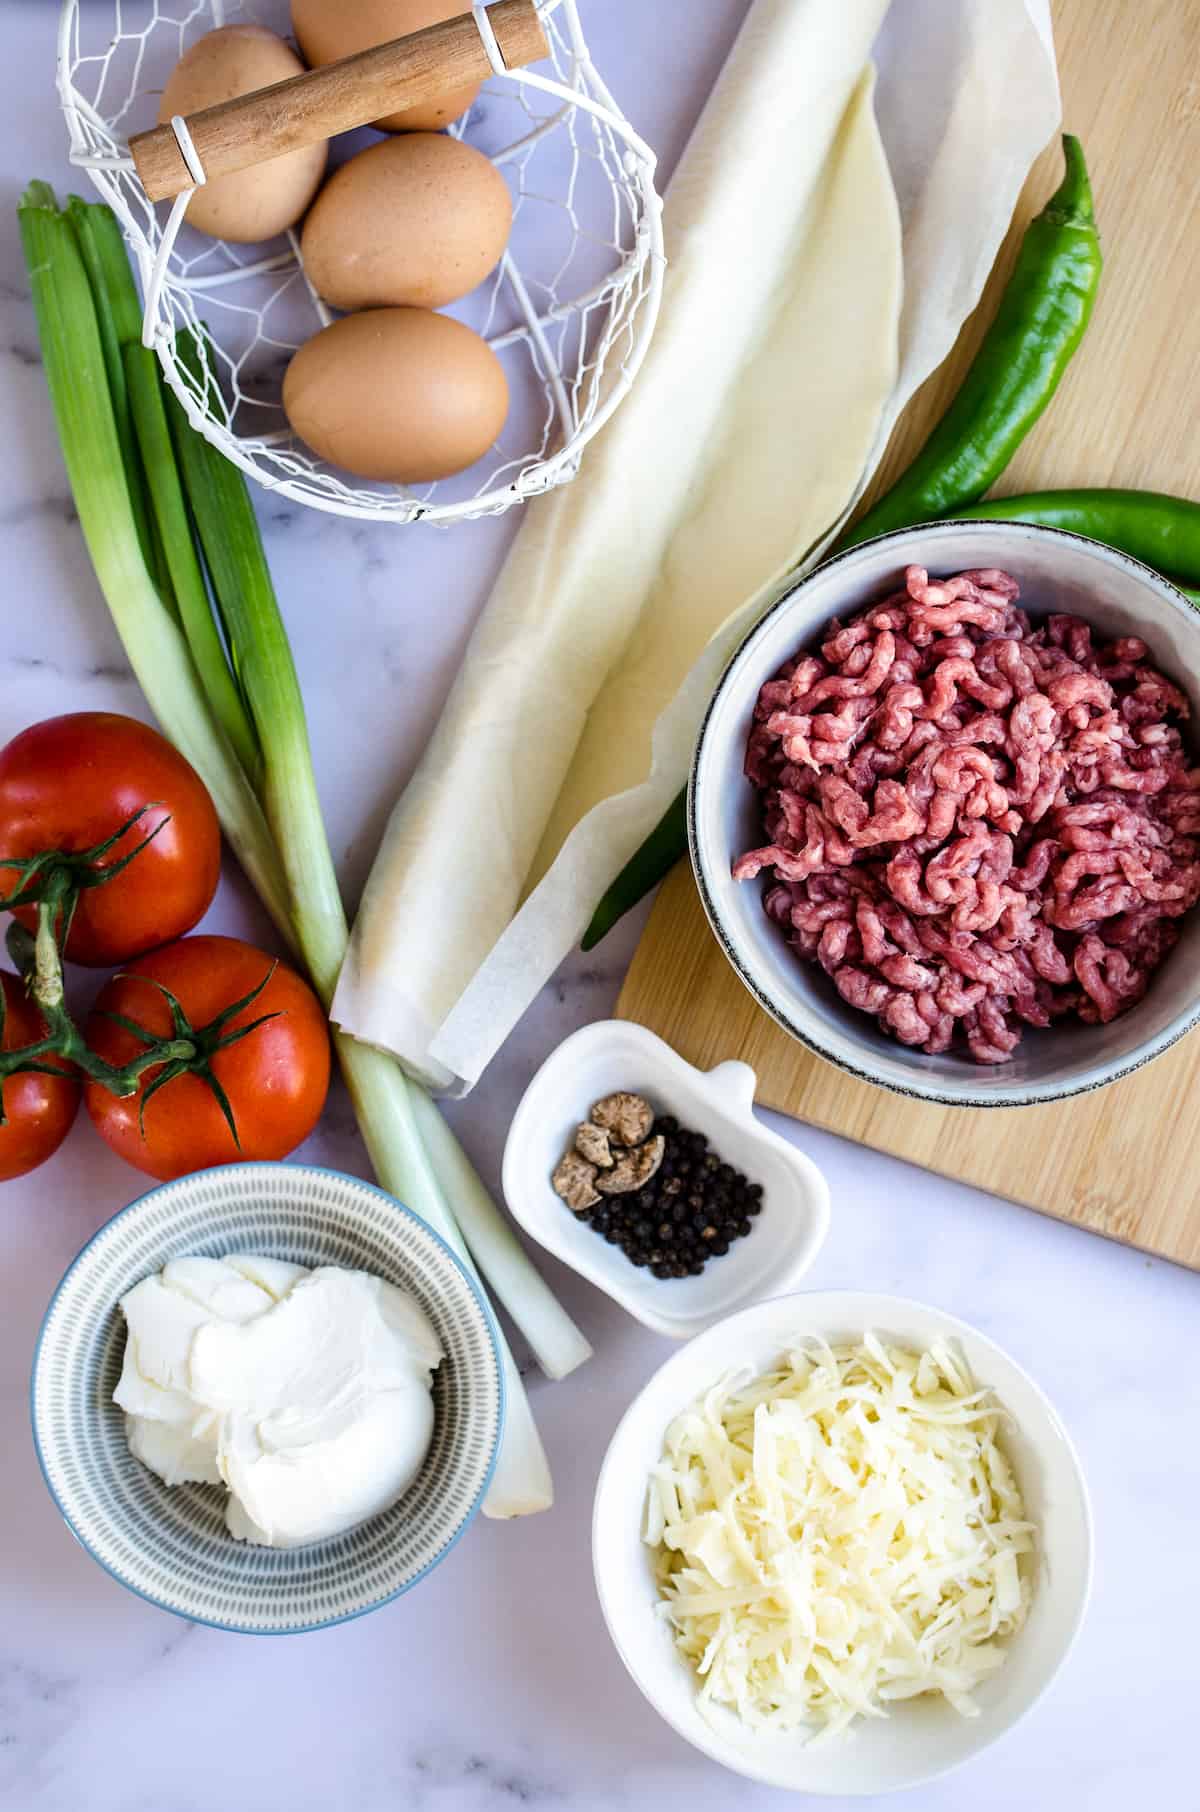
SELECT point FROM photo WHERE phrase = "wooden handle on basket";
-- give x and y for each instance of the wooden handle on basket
(365, 87)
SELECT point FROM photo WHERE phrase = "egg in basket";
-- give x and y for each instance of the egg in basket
(424, 325)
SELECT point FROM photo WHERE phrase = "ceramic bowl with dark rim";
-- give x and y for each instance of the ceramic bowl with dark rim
(1057, 572)
(171, 1545)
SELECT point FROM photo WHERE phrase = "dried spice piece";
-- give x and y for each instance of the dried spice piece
(575, 1181)
(633, 1169)
(591, 1142)
(627, 1117)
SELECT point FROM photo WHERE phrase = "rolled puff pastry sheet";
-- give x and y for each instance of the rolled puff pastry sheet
(745, 436)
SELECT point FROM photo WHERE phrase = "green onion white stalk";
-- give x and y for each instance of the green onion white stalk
(249, 725)
(418, 1171)
(497, 1248)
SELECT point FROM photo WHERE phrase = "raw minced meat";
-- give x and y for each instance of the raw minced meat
(973, 824)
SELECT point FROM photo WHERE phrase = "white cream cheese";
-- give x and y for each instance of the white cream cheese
(306, 1393)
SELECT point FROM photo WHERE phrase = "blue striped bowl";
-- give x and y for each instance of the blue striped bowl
(171, 1546)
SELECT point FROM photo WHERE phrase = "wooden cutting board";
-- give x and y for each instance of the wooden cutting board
(1124, 1161)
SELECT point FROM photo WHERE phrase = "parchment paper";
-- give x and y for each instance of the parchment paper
(827, 239)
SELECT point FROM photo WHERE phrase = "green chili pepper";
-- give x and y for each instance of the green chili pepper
(1160, 530)
(644, 870)
(1039, 323)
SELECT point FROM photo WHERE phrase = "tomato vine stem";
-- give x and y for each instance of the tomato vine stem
(63, 1039)
(51, 882)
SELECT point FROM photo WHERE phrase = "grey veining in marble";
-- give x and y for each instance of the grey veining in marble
(493, 1687)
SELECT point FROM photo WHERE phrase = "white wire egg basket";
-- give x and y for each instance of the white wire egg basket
(569, 310)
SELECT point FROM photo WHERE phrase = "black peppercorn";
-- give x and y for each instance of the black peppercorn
(690, 1212)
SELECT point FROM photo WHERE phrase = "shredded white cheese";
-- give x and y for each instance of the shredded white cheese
(838, 1533)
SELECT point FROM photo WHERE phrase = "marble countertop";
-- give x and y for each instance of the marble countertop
(494, 1685)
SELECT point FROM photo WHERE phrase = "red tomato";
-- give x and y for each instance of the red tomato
(38, 1110)
(71, 782)
(276, 1077)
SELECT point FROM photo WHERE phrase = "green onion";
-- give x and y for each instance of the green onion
(77, 378)
(262, 661)
(388, 1105)
(171, 516)
(107, 266)
(557, 1347)
(260, 711)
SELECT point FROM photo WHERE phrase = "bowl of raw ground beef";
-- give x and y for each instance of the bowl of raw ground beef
(945, 813)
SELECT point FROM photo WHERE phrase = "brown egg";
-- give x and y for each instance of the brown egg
(419, 220)
(397, 393)
(267, 198)
(328, 29)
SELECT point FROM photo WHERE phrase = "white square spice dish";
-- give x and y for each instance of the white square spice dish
(614, 1054)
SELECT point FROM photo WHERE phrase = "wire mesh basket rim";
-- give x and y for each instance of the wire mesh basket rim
(643, 262)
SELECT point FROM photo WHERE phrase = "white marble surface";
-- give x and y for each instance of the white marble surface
(494, 1684)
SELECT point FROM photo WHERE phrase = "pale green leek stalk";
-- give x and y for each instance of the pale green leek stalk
(73, 359)
(383, 1097)
(179, 554)
(106, 262)
(496, 1246)
(292, 870)
(384, 1101)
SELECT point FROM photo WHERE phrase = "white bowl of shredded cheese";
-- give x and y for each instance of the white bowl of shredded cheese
(842, 1542)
